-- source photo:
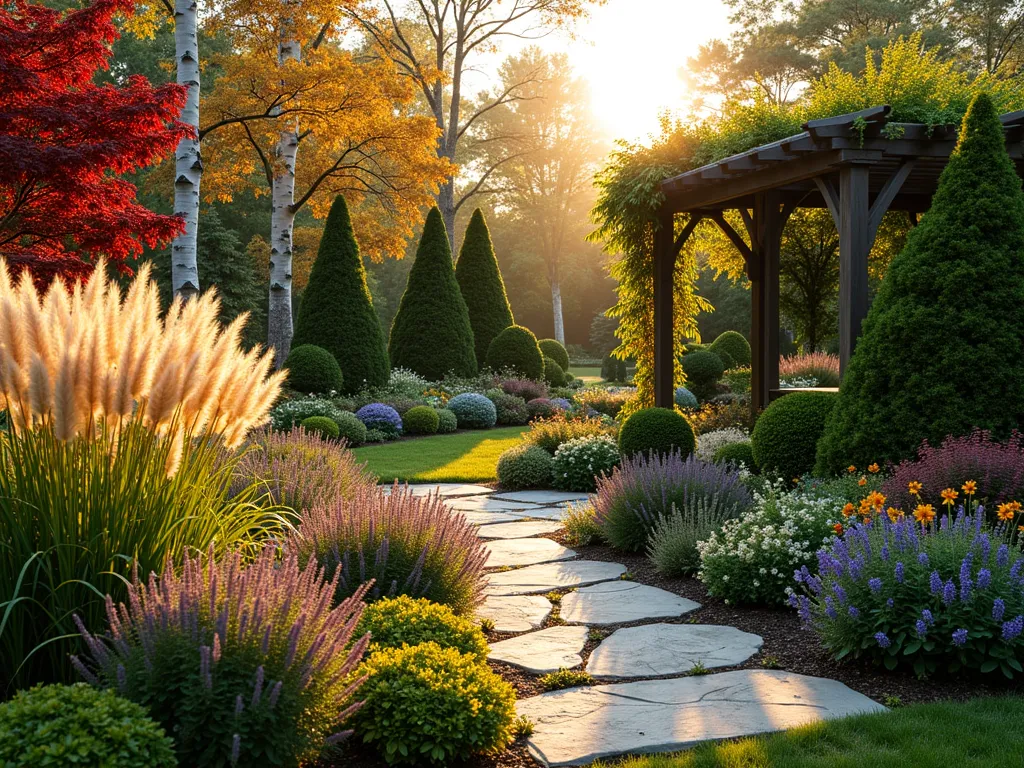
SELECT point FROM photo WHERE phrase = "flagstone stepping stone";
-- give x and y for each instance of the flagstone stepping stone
(545, 498)
(670, 649)
(543, 578)
(448, 489)
(616, 602)
(579, 725)
(541, 652)
(515, 613)
(486, 504)
(485, 518)
(542, 513)
(518, 552)
(519, 530)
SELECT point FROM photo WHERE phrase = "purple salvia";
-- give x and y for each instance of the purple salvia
(239, 705)
(84, 671)
(122, 679)
(275, 692)
(236, 749)
(204, 666)
(257, 690)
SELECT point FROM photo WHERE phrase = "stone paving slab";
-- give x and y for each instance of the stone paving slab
(544, 498)
(522, 529)
(515, 613)
(542, 513)
(654, 650)
(534, 579)
(514, 553)
(448, 489)
(487, 504)
(548, 650)
(617, 602)
(486, 518)
(580, 725)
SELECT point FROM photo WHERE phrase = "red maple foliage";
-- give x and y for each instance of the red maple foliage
(63, 140)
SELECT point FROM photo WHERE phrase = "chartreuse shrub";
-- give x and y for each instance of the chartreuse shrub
(409, 545)
(403, 620)
(245, 665)
(554, 375)
(421, 420)
(337, 313)
(124, 460)
(580, 461)
(322, 426)
(733, 344)
(54, 725)
(482, 287)
(424, 704)
(753, 557)
(312, 369)
(525, 466)
(431, 334)
(553, 348)
(657, 430)
(447, 421)
(940, 353)
(646, 487)
(936, 594)
(298, 469)
(473, 411)
(516, 349)
(785, 437)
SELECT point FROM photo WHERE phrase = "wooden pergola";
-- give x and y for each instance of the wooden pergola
(858, 165)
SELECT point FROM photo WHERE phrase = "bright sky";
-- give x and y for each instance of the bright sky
(632, 52)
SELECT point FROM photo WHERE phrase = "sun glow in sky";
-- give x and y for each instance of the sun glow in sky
(632, 53)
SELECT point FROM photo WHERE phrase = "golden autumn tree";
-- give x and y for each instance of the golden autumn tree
(314, 119)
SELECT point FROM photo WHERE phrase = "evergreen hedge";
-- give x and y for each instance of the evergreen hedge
(516, 348)
(431, 334)
(942, 349)
(337, 313)
(482, 288)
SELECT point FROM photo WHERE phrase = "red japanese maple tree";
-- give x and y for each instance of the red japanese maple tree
(64, 140)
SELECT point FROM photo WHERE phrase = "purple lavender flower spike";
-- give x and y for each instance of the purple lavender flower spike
(949, 592)
(1013, 628)
(935, 582)
(875, 585)
(236, 749)
(882, 639)
(1003, 556)
(922, 559)
(854, 613)
(830, 608)
(998, 609)
(921, 629)
(898, 572)
(984, 578)
(960, 638)
(927, 616)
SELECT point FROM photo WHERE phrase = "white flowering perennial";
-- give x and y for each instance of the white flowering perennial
(709, 443)
(579, 461)
(752, 558)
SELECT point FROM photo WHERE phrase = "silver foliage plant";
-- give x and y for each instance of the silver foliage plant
(672, 546)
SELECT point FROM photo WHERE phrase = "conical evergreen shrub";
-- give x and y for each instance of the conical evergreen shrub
(337, 312)
(431, 334)
(482, 287)
(943, 345)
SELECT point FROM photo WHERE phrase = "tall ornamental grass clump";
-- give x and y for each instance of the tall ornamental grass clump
(120, 422)
(409, 545)
(300, 469)
(936, 594)
(241, 664)
(672, 546)
(822, 367)
(644, 488)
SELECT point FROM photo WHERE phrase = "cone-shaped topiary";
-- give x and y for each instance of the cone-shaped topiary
(516, 349)
(482, 287)
(336, 311)
(431, 334)
(942, 349)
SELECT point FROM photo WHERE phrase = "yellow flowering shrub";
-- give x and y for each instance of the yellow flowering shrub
(403, 620)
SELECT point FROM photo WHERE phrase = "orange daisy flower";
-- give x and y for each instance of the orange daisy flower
(862, 481)
(873, 468)
(851, 469)
(876, 499)
(838, 528)
(914, 487)
(969, 487)
(924, 513)
(949, 496)
(1004, 512)
(894, 514)
(848, 510)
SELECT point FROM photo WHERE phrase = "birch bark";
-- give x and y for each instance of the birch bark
(188, 164)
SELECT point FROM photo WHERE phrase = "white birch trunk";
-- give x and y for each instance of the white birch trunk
(282, 220)
(556, 306)
(188, 164)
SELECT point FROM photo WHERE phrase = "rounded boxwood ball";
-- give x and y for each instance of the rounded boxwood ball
(473, 411)
(313, 370)
(726, 358)
(737, 453)
(785, 437)
(553, 373)
(322, 426)
(421, 420)
(447, 422)
(525, 466)
(553, 349)
(516, 348)
(685, 398)
(657, 430)
(703, 367)
(350, 429)
(733, 344)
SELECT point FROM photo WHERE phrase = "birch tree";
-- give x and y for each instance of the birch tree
(458, 32)
(188, 163)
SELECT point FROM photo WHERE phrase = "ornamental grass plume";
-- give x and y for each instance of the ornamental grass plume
(409, 545)
(243, 664)
(820, 366)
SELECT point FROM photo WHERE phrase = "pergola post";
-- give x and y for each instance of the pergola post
(763, 271)
(664, 330)
(855, 239)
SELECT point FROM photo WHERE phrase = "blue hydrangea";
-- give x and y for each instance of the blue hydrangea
(473, 411)
(381, 417)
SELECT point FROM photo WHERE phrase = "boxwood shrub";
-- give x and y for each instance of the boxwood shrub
(447, 421)
(734, 345)
(516, 349)
(554, 375)
(421, 420)
(322, 426)
(525, 466)
(658, 430)
(553, 349)
(313, 370)
(785, 437)
(473, 411)
(512, 410)
(350, 429)
(703, 369)
(737, 453)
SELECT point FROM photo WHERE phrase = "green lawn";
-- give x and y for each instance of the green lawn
(983, 733)
(463, 457)
(590, 374)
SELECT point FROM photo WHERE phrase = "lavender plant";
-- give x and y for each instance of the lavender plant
(644, 488)
(299, 469)
(935, 597)
(410, 545)
(243, 665)
(672, 546)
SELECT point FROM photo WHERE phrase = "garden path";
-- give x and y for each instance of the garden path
(655, 694)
